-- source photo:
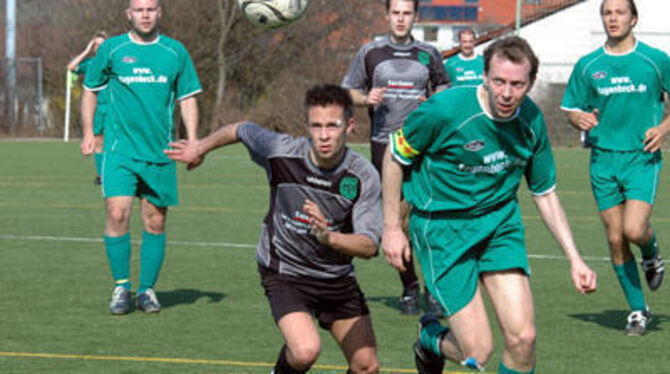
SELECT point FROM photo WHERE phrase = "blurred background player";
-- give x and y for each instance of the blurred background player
(324, 210)
(391, 77)
(616, 93)
(144, 72)
(78, 65)
(466, 68)
(467, 150)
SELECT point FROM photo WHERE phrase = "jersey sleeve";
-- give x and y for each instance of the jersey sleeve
(356, 76)
(422, 132)
(98, 71)
(367, 212)
(665, 72)
(541, 170)
(188, 83)
(439, 78)
(262, 143)
(83, 66)
(577, 94)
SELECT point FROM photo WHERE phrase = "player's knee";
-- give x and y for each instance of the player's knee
(615, 239)
(304, 355)
(367, 364)
(154, 223)
(636, 234)
(521, 344)
(117, 217)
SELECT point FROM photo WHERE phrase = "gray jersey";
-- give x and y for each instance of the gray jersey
(348, 195)
(407, 71)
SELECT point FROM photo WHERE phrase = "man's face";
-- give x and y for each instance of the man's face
(143, 16)
(618, 21)
(467, 44)
(507, 84)
(401, 17)
(328, 131)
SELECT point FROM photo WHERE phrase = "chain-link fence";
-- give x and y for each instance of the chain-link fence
(22, 106)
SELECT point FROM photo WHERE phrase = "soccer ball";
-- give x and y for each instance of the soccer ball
(272, 13)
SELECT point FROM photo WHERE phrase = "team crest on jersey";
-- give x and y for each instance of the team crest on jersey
(459, 69)
(424, 57)
(475, 145)
(349, 187)
(599, 75)
(129, 59)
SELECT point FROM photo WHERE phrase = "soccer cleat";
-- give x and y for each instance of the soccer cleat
(426, 361)
(409, 301)
(97, 181)
(147, 302)
(653, 271)
(637, 322)
(120, 303)
(432, 306)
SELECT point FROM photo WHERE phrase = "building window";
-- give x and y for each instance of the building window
(448, 13)
(472, 1)
(430, 33)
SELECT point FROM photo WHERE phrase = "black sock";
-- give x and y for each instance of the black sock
(282, 366)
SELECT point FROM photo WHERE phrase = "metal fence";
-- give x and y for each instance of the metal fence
(22, 106)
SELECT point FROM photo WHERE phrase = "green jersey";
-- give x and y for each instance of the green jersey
(627, 91)
(101, 109)
(144, 80)
(463, 162)
(465, 71)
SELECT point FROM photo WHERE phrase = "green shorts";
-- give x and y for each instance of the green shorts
(620, 176)
(124, 176)
(454, 251)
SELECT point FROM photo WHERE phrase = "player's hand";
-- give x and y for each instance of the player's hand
(586, 121)
(186, 151)
(396, 247)
(422, 99)
(318, 223)
(89, 46)
(375, 96)
(584, 279)
(87, 145)
(653, 138)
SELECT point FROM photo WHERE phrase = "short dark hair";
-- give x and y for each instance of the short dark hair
(512, 48)
(631, 5)
(467, 30)
(416, 4)
(101, 34)
(330, 94)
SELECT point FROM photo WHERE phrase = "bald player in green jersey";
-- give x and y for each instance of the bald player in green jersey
(465, 69)
(146, 73)
(616, 93)
(464, 152)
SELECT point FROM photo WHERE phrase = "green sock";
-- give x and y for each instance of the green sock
(649, 250)
(629, 279)
(430, 337)
(118, 256)
(98, 163)
(151, 259)
(502, 369)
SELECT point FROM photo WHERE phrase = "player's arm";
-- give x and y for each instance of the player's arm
(189, 114)
(553, 215)
(89, 101)
(356, 245)
(374, 97)
(654, 136)
(582, 120)
(394, 242)
(72, 65)
(192, 152)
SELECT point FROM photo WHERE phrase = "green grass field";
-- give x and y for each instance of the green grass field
(55, 283)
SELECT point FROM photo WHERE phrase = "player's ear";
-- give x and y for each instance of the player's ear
(351, 123)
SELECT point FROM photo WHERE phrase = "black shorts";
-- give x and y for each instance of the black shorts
(377, 151)
(328, 300)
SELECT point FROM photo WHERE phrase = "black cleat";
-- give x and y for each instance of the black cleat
(426, 361)
(432, 306)
(147, 302)
(409, 301)
(97, 181)
(653, 271)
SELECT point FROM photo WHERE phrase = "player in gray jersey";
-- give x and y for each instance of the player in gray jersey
(324, 211)
(391, 76)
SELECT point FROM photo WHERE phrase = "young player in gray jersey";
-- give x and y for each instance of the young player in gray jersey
(391, 77)
(324, 211)
(616, 94)
(468, 148)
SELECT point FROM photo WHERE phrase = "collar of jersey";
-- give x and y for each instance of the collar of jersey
(155, 41)
(632, 50)
(400, 46)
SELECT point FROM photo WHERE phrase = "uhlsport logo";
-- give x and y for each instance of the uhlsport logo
(599, 75)
(475, 145)
(129, 59)
(349, 187)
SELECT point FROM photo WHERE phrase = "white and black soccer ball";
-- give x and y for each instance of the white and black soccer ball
(272, 13)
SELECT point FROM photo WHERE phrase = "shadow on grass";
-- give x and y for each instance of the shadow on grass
(616, 319)
(186, 296)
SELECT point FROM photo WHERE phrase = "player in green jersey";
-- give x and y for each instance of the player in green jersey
(464, 152)
(78, 65)
(146, 73)
(616, 94)
(466, 67)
